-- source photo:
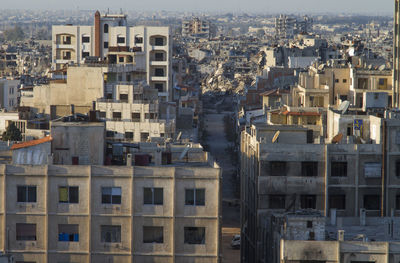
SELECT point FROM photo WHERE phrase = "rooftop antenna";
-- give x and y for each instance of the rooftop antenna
(276, 136)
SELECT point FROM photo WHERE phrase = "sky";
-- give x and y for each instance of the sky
(377, 7)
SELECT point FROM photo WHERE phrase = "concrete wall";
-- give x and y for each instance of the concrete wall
(90, 214)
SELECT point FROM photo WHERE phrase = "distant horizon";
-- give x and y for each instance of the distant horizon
(355, 7)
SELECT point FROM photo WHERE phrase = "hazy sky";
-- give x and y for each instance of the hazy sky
(264, 6)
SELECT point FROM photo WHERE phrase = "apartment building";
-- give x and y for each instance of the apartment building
(310, 237)
(396, 55)
(9, 94)
(110, 39)
(291, 168)
(198, 28)
(83, 213)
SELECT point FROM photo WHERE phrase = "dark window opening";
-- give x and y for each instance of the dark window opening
(159, 56)
(123, 97)
(135, 117)
(308, 201)
(195, 197)
(105, 44)
(309, 169)
(309, 224)
(120, 40)
(153, 196)
(159, 87)
(117, 116)
(337, 202)
(153, 234)
(105, 29)
(339, 169)
(68, 194)
(159, 41)
(159, 72)
(278, 168)
(277, 201)
(85, 39)
(194, 235)
(129, 135)
(110, 234)
(138, 40)
(25, 232)
(372, 202)
(85, 54)
(26, 194)
(68, 233)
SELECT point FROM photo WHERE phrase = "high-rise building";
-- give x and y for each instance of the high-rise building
(396, 54)
(112, 41)
(198, 28)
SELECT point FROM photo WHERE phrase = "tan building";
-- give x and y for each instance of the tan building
(83, 213)
(198, 28)
(396, 55)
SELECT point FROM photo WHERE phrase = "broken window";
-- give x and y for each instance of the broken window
(26, 232)
(195, 235)
(309, 169)
(26, 194)
(135, 117)
(68, 194)
(337, 202)
(195, 197)
(117, 116)
(153, 196)
(372, 202)
(153, 234)
(159, 72)
(120, 40)
(111, 195)
(110, 234)
(85, 39)
(338, 169)
(159, 41)
(277, 201)
(278, 168)
(123, 97)
(308, 202)
(68, 232)
(129, 135)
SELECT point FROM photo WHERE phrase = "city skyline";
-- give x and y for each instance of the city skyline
(256, 6)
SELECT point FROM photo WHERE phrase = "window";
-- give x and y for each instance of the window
(85, 39)
(277, 201)
(67, 55)
(26, 232)
(129, 135)
(159, 57)
(123, 97)
(195, 235)
(26, 194)
(144, 136)
(153, 196)
(159, 87)
(372, 202)
(309, 169)
(339, 169)
(121, 59)
(337, 80)
(105, 44)
(308, 201)
(362, 83)
(111, 195)
(344, 80)
(117, 116)
(159, 41)
(153, 234)
(337, 202)
(159, 72)
(278, 168)
(105, 29)
(138, 40)
(309, 224)
(147, 116)
(102, 114)
(109, 134)
(397, 202)
(110, 234)
(195, 197)
(120, 40)
(343, 97)
(372, 170)
(135, 116)
(68, 194)
(85, 54)
(68, 233)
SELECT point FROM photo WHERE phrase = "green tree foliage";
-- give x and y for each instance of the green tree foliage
(12, 133)
(14, 34)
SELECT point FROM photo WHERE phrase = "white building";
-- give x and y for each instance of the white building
(111, 40)
(9, 94)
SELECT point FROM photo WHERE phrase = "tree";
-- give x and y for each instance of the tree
(14, 34)
(12, 133)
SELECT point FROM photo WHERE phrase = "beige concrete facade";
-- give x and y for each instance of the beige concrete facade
(89, 214)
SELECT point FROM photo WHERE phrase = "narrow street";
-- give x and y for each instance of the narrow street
(217, 142)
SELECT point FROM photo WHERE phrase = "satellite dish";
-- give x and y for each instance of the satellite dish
(184, 152)
(344, 106)
(321, 67)
(337, 138)
(382, 67)
(369, 67)
(276, 136)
